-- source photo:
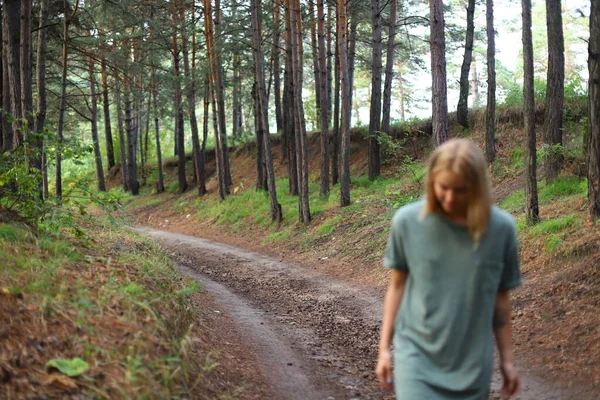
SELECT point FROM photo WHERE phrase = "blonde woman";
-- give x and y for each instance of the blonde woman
(454, 259)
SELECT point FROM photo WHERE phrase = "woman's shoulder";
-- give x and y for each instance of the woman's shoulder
(409, 212)
(501, 219)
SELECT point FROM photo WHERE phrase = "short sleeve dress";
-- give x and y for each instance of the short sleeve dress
(443, 336)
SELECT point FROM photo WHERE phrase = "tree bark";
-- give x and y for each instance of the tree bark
(375, 117)
(462, 109)
(121, 128)
(439, 102)
(261, 105)
(26, 73)
(555, 93)
(315, 59)
(191, 97)
(300, 127)
(40, 115)
(490, 115)
(389, 68)
(132, 179)
(160, 184)
(324, 97)
(594, 112)
(345, 100)
(178, 117)
(110, 150)
(276, 68)
(236, 112)
(94, 125)
(11, 25)
(531, 206)
(335, 159)
(261, 177)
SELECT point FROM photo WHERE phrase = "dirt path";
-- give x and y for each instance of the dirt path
(316, 337)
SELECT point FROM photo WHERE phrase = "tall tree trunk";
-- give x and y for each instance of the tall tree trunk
(324, 107)
(63, 97)
(352, 39)
(202, 174)
(26, 80)
(94, 124)
(289, 134)
(160, 184)
(462, 109)
(261, 177)
(335, 159)
(490, 115)
(276, 68)
(110, 151)
(345, 100)
(330, 57)
(132, 179)
(218, 153)
(439, 102)
(474, 83)
(389, 68)
(375, 117)
(261, 105)
(178, 119)
(315, 58)
(531, 206)
(236, 112)
(121, 129)
(7, 132)
(300, 127)
(40, 114)
(555, 93)
(594, 112)
(191, 96)
(11, 25)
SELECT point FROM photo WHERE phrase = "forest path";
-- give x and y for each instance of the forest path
(315, 337)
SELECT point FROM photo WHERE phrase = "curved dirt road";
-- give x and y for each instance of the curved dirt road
(316, 337)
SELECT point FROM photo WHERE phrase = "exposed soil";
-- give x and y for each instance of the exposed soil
(313, 336)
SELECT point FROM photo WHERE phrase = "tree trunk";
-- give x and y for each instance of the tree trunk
(160, 185)
(375, 117)
(315, 58)
(531, 206)
(63, 99)
(261, 177)
(345, 99)
(474, 83)
(218, 153)
(178, 119)
(261, 105)
(94, 124)
(120, 123)
(299, 123)
(352, 36)
(26, 81)
(324, 107)
(439, 102)
(40, 114)
(289, 134)
(236, 112)
(330, 57)
(389, 68)
(11, 25)
(7, 132)
(335, 159)
(490, 115)
(202, 174)
(555, 93)
(110, 151)
(462, 109)
(276, 67)
(594, 112)
(132, 181)
(191, 97)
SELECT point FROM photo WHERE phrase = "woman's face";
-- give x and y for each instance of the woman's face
(452, 192)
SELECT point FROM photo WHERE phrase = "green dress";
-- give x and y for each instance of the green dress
(443, 347)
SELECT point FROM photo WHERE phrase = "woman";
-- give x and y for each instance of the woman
(453, 258)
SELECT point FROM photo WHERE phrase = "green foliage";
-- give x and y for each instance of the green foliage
(553, 243)
(277, 237)
(14, 233)
(515, 202)
(563, 186)
(73, 367)
(328, 227)
(548, 151)
(553, 225)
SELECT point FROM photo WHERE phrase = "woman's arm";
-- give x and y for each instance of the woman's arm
(503, 333)
(391, 304)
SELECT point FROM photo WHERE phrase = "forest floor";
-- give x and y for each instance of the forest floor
(556, 322)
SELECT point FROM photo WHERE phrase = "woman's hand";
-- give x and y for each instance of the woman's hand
(512, 385)
(384, 370)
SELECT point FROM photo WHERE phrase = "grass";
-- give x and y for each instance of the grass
(553, 225)
(515, 202)
(563, 186)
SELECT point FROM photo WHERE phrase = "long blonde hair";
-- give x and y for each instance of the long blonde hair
(462, 157)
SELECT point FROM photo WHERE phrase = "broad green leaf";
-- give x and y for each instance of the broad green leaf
(74, 367)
